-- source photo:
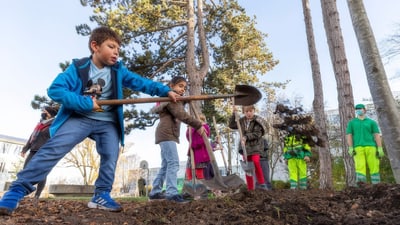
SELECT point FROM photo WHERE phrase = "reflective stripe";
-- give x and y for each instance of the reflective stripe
(297, 147)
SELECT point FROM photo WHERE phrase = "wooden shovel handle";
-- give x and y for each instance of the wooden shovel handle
(161, 99)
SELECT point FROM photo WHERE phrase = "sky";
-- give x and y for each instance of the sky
(38, 35)
(283, 21)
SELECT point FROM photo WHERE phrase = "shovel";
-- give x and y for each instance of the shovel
(244, 95)
(220, 146)
(198, 188)
(218, 182)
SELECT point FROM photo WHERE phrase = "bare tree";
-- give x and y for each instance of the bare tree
(127, 172)
(391, 46)
(344, 89)
(325, 172)
(385, 104)
(273, 135)
(84, 157)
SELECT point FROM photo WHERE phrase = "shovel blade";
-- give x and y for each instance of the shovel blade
(248, 167)
(194, 190)
(232, 181)
(246, 95)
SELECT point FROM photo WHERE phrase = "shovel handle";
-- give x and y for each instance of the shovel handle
(219, 143)
(241, 135)
(161, 99)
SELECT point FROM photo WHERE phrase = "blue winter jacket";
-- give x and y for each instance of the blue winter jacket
(67, 90)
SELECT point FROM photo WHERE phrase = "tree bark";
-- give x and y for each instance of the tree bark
(325, 178)
(344, 89)
(385, 104)
(196, 74)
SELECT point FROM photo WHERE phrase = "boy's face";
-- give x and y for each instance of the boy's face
(105, 54)
(248, 112)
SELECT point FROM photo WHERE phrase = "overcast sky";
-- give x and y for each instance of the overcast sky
(38, 35)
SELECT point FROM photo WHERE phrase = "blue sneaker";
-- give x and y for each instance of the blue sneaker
(10, 200)
(177, 199)
(105, 202)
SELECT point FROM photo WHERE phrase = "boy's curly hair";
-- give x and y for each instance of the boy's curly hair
(101, 34)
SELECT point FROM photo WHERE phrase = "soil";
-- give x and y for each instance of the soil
(378, 204)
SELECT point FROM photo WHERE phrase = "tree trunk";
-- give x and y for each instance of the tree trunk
(196, 75)
(344, 89)
(385, 104)
(325, 178)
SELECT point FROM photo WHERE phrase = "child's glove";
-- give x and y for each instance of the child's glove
(351, 151)
(380, 152)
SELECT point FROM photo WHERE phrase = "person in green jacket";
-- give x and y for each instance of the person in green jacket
(365, 145)
(297, 153)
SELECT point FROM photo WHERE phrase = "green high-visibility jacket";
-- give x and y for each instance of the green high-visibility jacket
(295, 147)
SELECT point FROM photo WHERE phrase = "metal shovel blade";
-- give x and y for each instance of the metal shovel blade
(194, 190)
(246, 95)
(233, 181)
(248, 167)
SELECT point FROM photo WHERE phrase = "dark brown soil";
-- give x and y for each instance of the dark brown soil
(378, 204)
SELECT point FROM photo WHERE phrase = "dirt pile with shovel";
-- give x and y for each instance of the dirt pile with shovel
(379, 204)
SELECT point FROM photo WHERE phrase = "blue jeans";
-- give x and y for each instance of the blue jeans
(71, 133)
(168, 171)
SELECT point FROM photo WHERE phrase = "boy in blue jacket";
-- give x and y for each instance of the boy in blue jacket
(80, 116)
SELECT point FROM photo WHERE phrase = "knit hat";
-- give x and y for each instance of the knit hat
(359, 106)
(52, 110)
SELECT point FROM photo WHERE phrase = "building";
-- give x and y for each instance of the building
(10, 162)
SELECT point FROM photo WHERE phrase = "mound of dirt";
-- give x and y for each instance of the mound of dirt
(377, 204)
